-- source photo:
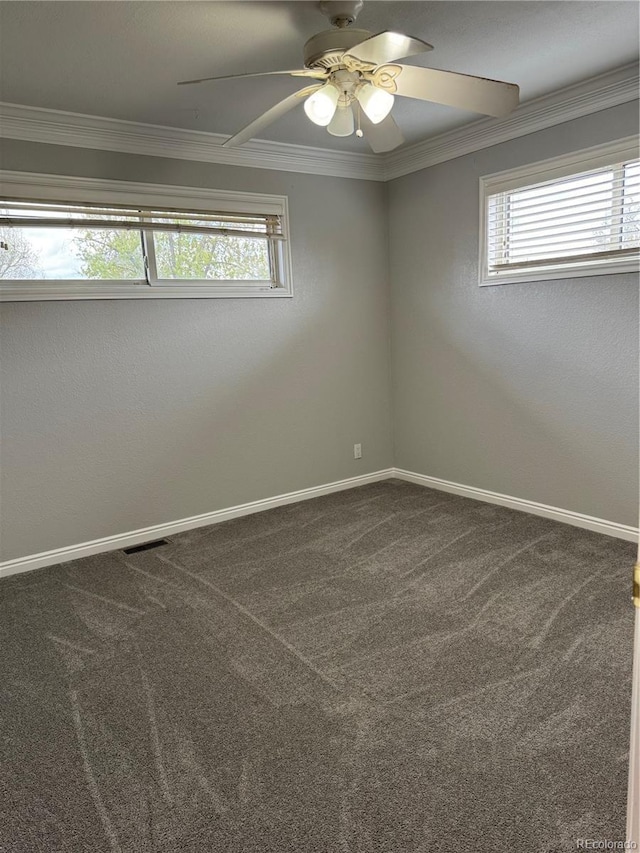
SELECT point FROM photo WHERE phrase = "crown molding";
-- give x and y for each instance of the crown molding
(590, 96)
(56, 127)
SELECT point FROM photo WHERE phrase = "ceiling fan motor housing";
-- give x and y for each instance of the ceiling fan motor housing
(325, 49)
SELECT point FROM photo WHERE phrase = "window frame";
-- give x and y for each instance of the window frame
(564, 166)
(30, 185)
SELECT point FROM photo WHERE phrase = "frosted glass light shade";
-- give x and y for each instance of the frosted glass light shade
(342, 123)
(321, 106)
(375, 102)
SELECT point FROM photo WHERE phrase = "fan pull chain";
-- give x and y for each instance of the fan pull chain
(359, 132)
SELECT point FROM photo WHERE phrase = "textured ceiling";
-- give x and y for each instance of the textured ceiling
(123, 59)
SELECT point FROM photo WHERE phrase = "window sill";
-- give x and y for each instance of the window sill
(29, 292)
(560, 273)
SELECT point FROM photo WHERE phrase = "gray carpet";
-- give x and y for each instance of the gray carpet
(385, 670)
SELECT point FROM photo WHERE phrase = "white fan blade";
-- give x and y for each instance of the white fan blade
(302, 72)
(491, 97)
(381, 137)
(270, 116)
(386, 47)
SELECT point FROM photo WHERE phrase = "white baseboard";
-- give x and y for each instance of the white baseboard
(158, 531)
(567, 516)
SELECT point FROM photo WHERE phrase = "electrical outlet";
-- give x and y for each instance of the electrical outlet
(357, 451)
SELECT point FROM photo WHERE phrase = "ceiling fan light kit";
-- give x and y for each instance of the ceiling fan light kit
(342, 124)
(376, 103)
(355, 68)
(321, 106)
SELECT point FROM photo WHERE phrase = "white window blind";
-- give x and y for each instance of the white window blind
(38, 214)
(579, 222)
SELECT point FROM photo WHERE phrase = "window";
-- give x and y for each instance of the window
(67, 238)
(574, 216)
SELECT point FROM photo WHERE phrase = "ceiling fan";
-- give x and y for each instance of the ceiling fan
(358, 78)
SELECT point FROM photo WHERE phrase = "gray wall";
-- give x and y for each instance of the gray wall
(123, 414)
(526, 389)
(118, 415)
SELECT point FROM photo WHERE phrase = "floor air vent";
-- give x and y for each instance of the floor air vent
(146, 546)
